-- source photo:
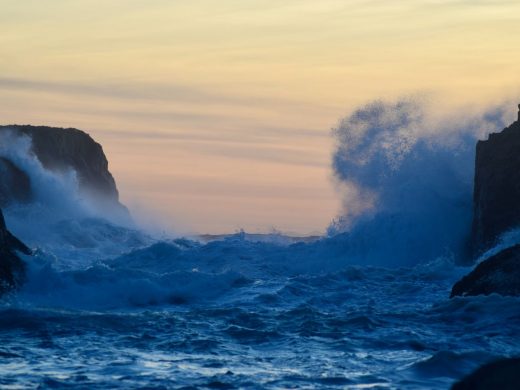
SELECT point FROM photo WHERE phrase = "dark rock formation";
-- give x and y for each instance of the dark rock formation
(496, 202)
(496, 197)
(15, 185)
(12, 268)
(499, 274)
(61, 150)
(503, 374)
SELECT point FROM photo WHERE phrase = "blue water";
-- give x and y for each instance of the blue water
(236, 313)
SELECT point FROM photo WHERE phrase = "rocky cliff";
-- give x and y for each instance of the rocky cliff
(60, 150)
(12, 268)
(496, 197)
(496, 210)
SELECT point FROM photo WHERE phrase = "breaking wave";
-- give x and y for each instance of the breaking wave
(406, 175)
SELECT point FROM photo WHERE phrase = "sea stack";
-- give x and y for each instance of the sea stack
(496, 210)
(496, 197)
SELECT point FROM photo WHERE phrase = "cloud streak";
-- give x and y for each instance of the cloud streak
(166, 92)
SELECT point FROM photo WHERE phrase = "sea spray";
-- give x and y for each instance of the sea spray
(55, 191)
(60, 218)
(407, 177)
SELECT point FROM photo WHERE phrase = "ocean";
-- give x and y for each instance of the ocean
(239, 313)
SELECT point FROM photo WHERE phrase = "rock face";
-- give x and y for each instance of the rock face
(60, 150)
(12, 268)
(499, 274)
(496, 197)
(15, 185)
(503, 374)
(496, 210)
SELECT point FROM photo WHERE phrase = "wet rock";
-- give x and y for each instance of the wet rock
(502, 374)
(12, 268)
(498, 274)
(497, 187)
(496, 210)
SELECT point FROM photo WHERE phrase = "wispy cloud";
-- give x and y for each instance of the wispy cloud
(135, 90)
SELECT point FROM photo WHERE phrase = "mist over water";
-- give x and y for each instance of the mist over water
(60, 219)
(57, 193)
(406, 176)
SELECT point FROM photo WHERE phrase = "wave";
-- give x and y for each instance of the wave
(102, 287)
(185, 272)
(407, 179)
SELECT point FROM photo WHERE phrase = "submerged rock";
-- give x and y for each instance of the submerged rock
(12, 268)
(499, 274)
(497, 187)
(503, 374)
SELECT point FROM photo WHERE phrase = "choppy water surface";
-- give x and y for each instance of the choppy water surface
(228, 319)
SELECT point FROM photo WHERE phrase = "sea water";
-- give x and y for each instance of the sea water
(239, 313)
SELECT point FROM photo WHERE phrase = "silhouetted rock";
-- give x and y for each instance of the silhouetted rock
(500, 375)
(496, 197)
(499, 274)
(15, 185)
(12, 268)
(60, 150)
(496, 202)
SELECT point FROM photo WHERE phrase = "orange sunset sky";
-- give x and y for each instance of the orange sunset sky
(216, 115)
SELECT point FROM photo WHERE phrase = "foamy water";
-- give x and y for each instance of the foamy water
(242, 314)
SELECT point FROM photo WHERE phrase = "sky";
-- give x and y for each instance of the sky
(217, 115)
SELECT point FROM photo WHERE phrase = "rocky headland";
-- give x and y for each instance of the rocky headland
(496, 187)
(60, 151)
(496, 203)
